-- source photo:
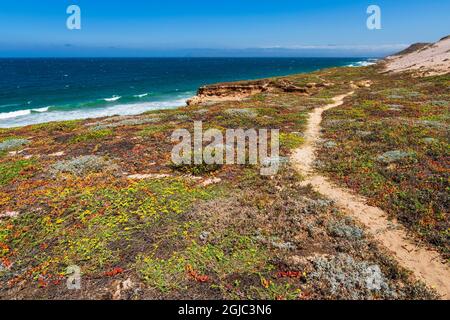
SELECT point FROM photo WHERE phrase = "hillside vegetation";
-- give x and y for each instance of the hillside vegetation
(102, 194)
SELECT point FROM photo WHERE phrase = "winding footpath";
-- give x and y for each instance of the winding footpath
(424, 263)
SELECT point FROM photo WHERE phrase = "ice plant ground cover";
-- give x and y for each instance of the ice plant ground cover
(390, 142)
(109, 200)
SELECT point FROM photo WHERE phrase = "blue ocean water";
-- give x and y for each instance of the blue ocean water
(42, 90)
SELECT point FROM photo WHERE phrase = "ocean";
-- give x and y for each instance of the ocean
(41, 90)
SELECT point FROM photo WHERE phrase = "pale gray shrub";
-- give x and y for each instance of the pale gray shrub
(394, 155)
(343, 230)
(13, 144)
(245, 112)
(347, 278)
(81, 165)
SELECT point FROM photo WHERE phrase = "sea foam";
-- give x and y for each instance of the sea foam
(364, 63)
(14, 114)
(45, 109)
(112, 99)
(141, 95)
(21, 113)
(26, 117)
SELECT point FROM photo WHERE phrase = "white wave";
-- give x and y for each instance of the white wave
(21, 113)
(45, 109)
(364, 63)
(141, 95)
(14, 114)
(59, 115)
(112, 99)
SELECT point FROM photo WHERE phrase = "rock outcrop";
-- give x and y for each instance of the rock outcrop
(228, 91)
(239, 90)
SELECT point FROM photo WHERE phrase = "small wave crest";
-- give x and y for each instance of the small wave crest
(112, 99)
(364, 63)
(141, 95)
(14, 114)
(21, 113)
(27, 117)
(45, 109)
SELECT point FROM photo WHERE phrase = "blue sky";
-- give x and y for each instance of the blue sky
(217, 27)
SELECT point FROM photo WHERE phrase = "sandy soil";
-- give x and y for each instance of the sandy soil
(433, 59)
(423, 262)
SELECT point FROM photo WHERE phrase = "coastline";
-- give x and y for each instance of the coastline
(116, 110)
(225, 159)
(114, 175)
(119, 105)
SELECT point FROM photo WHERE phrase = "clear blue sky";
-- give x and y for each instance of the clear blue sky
(224, 27)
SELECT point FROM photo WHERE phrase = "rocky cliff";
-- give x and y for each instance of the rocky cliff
(240, 90)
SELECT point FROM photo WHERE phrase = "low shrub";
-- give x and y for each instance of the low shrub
(81, 165)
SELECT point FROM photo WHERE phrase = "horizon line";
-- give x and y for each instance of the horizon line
(195, 57)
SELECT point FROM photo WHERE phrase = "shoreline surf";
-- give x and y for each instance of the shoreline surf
(133, 99)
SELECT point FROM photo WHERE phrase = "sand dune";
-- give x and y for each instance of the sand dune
(423, 59)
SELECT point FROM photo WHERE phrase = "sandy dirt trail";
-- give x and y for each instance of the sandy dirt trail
(424, 263)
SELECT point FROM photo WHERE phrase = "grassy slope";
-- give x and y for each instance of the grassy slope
(246, 237)
(391, 144)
